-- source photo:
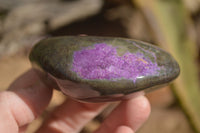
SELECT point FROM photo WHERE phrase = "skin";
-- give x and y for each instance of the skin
(27, 97)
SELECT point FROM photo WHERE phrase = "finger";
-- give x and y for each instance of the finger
(131, 113)
(26, 98)
(71, 117)
(123, 129)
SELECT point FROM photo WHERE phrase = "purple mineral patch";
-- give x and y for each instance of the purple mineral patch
(102, 62)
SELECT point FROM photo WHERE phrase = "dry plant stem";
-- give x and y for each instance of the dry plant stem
(170, 23)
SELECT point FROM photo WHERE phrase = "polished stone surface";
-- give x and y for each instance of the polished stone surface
(99, 69)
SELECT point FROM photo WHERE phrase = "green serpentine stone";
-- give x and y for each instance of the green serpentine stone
(103, 68)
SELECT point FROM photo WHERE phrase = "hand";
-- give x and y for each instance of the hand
(27, 97)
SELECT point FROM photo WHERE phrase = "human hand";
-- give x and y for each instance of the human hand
(27, 97)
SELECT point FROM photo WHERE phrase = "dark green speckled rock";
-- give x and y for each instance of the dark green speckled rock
(97, 69)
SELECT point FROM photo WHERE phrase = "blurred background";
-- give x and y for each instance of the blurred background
(173, 25)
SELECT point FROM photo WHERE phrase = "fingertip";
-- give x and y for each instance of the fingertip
(141, 108)
(123, 129)
(132, 113)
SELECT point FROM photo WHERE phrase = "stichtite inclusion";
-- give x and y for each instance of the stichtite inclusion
(101, 61)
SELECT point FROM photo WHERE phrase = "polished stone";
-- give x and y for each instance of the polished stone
(99, 69)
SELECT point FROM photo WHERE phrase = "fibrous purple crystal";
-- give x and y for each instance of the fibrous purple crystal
(101, 61)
